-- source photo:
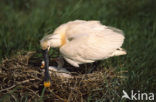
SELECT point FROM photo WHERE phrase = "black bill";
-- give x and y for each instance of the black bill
(47, 76)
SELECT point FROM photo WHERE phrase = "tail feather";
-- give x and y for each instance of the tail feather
(119, 52)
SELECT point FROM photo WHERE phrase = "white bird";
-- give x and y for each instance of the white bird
(83, 41)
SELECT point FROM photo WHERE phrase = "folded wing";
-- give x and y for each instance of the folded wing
(87, 48)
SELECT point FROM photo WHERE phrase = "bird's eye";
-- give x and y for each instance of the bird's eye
(70, 39)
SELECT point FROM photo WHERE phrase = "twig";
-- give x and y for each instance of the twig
(18, 83)
(33, 92)
(25, 81)
(7, 88)
(14, 98)
(64, 100)
(71, 92)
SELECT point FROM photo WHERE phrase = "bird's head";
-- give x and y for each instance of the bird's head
(50, 41)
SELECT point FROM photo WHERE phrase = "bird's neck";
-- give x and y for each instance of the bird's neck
(61, 31)
(58, 40)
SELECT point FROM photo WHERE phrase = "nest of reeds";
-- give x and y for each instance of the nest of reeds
(21, 79)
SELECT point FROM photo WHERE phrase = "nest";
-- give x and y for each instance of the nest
(21, 79)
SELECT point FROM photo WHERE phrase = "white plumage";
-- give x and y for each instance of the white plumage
(82, 41)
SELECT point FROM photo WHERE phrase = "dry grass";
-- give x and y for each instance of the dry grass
(22, 80)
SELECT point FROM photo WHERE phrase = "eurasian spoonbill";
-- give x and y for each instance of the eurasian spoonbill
(82, 42)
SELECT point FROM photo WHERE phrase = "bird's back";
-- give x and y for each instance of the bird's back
(83, 27)
(91, 41)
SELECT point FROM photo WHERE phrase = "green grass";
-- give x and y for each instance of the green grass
(24, 22)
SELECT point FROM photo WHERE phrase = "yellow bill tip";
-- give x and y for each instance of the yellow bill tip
(47, 84)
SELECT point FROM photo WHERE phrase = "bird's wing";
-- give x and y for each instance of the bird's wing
(79, 28)
(75, 47)
(115, 30)
(87, 48)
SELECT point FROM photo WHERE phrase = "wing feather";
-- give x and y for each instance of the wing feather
(94, 44)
